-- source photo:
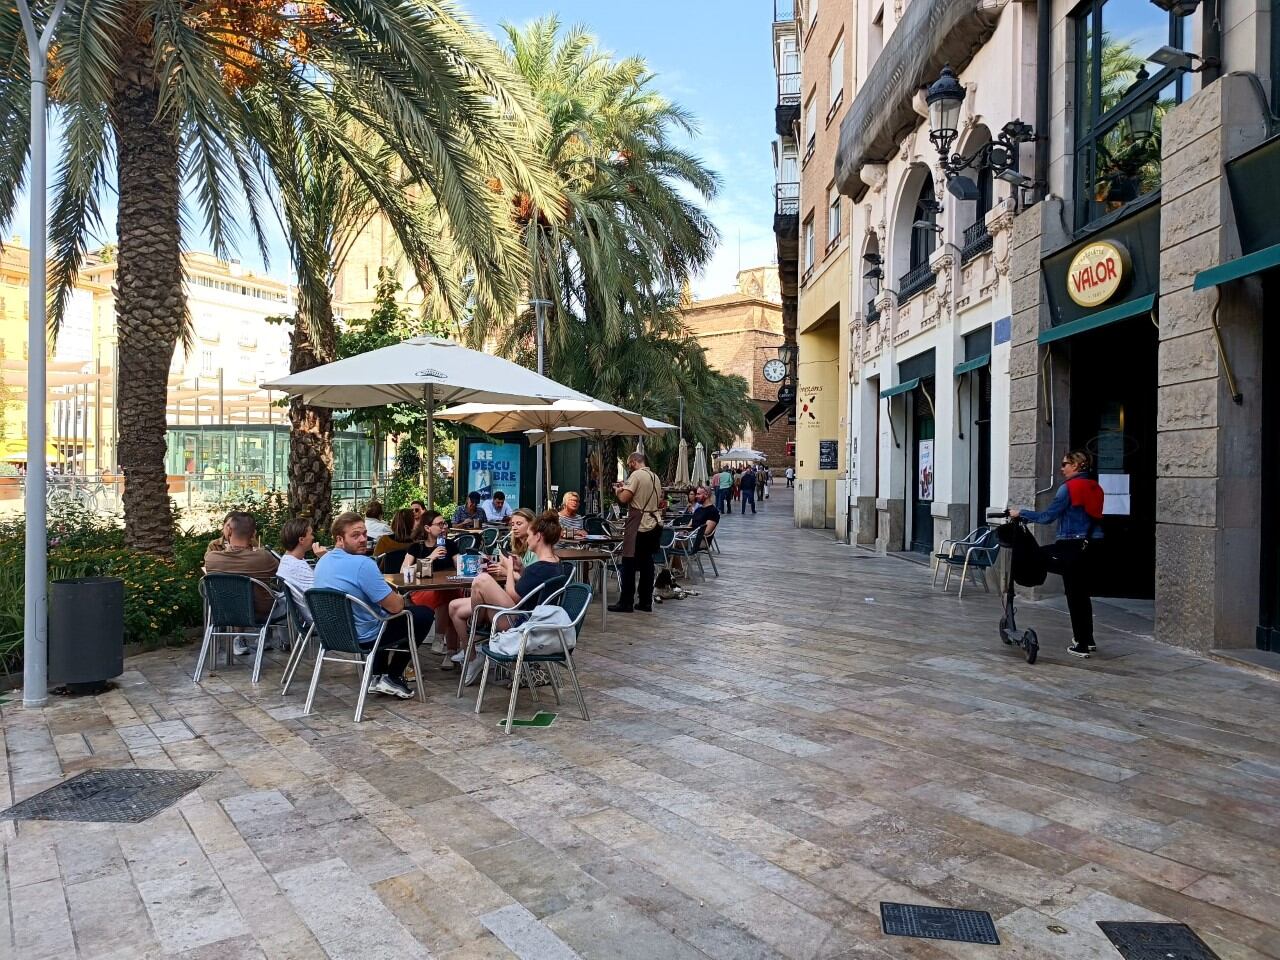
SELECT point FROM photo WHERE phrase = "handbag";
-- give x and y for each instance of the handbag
(548, 629)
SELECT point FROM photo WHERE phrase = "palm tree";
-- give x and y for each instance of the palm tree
(161, 95)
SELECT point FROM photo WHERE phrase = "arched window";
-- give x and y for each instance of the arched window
(923, 228)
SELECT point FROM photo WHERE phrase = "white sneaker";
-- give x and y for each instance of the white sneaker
(471, 672)
(392, 688)
(437, 645)
(240, 647)
(459, 656)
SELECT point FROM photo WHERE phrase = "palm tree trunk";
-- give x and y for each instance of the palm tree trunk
(312, 343)
(150, 302)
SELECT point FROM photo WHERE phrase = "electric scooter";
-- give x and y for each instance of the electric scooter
(1014, 536)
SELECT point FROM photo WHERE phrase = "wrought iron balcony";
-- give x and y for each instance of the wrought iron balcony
(787, 111)
(873, 313)
(787, 197)
(788, 88)
(976, 240)
(915, 281)
(784, 11)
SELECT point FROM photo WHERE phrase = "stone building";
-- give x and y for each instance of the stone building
(741, 332)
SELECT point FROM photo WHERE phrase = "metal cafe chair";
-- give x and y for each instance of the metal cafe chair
(301, 633)
(691, 546)
(527, 603)
(229, 612)
(950, 546)
(575, 598)
(977, 557)
(334, 617)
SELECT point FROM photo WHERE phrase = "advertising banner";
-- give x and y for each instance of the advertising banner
(925, 478)
(494, 467)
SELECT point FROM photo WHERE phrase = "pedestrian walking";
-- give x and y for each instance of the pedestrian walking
(1077, 510)
(724, 486)
(765, 477)
(791, 477)
(747, 484)
(642, 493)
(737, 485)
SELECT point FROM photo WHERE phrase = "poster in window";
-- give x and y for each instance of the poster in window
(828, 455)
(924, 479)
(494, 467)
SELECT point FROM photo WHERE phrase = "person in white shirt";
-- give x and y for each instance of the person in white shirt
(374, 525)
(496, 509)
(791, 477)
(297, 537)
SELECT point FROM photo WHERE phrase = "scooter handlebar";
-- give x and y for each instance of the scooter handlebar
(997, 514)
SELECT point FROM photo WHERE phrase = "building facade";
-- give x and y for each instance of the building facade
(814, 54)
(1096, 279)
(741, 332)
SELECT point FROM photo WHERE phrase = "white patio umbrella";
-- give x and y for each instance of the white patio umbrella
(584, 414)
(741, 453)
(425, 370)
(652, 426)
(700, 476)
(682, 464)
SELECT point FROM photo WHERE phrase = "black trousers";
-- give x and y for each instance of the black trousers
(393, 652)
(647, 544)
(1074, 560)
(749, 496)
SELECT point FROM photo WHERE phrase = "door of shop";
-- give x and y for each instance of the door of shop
(923, 466)
(1113, 416)
(982, 428)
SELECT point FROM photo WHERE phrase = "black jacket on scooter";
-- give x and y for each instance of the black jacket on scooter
(1026, 560)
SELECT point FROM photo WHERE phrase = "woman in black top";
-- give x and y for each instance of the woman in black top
(431, 543)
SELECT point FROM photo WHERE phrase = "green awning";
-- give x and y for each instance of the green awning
(1123, 311)
(977, 363)
(1245, 266)
(906, 387)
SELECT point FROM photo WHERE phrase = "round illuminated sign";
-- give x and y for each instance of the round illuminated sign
(1097, 272)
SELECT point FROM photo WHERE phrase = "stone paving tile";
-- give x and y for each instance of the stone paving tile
(759, 773)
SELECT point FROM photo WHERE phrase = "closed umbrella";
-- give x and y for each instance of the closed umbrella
(700, 476)
(682, 464)
(425, 370)
(584, 414)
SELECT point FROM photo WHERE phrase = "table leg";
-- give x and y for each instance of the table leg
(604, 593)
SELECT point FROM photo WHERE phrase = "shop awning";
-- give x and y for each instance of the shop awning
(905, 387)
(1123, 311)
(1245, 266)
(977, 363)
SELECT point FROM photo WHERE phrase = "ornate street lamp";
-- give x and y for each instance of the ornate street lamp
(875, 273)
(788, 353)
(945, 97)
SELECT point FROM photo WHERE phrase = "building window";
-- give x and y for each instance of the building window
(810, 126)
(813, 11)
(833, 218)
(206, 362)
(924, 240)
(809, 256)
(1121, 103)
(835, 73)
(875, 37)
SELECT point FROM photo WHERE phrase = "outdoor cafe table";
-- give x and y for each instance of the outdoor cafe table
(588, 556)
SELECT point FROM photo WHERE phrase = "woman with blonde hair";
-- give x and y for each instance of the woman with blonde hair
(521, 521)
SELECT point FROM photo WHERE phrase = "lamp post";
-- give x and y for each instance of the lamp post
(680, 398)
(35, 628)
(540, 315)
(945, 98)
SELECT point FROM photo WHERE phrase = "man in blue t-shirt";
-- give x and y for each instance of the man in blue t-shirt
(346, 568)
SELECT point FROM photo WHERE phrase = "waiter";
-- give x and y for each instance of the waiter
(642, 493)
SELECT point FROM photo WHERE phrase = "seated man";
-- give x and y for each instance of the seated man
(347, 568)
(374, 525)
(706, 516)
(496, 509)
(241, 556)
(469, 513)
(297, 537)
(570, 519)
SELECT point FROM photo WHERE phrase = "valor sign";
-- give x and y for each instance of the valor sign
(1097, 272)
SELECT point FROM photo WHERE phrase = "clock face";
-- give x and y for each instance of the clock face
(775, 370)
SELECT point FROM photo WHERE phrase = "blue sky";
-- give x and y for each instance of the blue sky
(711, 56)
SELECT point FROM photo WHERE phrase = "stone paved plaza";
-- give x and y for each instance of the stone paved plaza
(817, 732)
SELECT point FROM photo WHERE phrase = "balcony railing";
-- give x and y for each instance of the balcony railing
(976, 241)
(836, 104)
(788, 89)
(787, 197)
(915, 281)
(784, 11)
(873, 312)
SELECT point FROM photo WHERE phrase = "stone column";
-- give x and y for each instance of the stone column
(890, 507)
(1208, 448)
(950, 518)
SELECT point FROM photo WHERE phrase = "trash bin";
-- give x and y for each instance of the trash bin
(86, 632)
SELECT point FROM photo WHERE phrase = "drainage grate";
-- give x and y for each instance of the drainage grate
(1156, 941)
(937, 923)
(109, 796)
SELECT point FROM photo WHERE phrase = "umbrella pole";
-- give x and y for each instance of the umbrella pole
(430, 398)
(546, 459)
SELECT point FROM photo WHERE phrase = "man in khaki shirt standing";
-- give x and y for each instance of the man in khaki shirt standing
(642, 494)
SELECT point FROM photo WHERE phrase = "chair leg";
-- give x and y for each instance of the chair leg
(315, 679)
(702, 571)
(573, 675)
(365, 676)
(964, 575)
(420, 680)
(484, 682)
(471, 645)
(985, 584)
(937, 568)
(555, 683)
(204, 652)
(257, 657)
(295, 658)
(712, 558)
(515, 689)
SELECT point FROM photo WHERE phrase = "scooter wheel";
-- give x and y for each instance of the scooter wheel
(1032, 646)
(1004, 625)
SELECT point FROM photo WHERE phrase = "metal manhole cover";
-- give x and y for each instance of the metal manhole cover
(937, 923)
(109, 796)
(1156, 941)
